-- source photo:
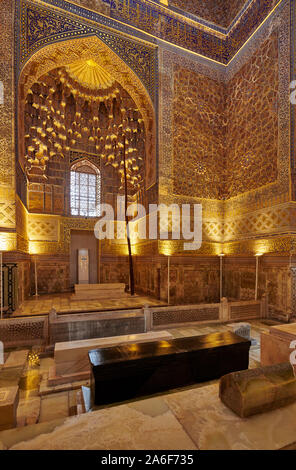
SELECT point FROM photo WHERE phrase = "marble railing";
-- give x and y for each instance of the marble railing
(224, 311)
(53, 328)
(80, 326)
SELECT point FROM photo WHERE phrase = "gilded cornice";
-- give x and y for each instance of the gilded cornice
(153, 22)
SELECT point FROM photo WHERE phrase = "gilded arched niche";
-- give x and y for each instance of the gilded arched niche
(66, 52)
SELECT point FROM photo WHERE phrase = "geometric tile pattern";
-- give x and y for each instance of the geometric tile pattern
(199, 135)
(198, 35)
(184, 316)
(220, 12)
(18, 332)
(43, 228)
(7, 214)
(226, 136)
(252, 121)
(264, 222)
(212, 230)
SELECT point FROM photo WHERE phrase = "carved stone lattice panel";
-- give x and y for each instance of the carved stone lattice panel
(185, 315)
(17, 332)
(245, 311)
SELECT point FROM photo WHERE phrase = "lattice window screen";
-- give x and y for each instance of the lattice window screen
(85, 194)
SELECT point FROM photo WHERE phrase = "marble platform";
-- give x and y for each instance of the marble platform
(190, 419)
(71, 358)
(212, 426)
(137, 426)
(275, 344)
(64, 303)
(99, 291)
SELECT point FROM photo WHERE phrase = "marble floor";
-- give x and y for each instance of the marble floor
(193, 419)
(166, 420)
(65, 303)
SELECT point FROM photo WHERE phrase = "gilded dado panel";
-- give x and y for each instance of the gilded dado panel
(281, 244)
(21, 218)
(269, 221)
(43, 228)
(21, 226)
(7, 209)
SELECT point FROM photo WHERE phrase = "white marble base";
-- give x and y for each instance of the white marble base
(275, 344)
(71, 357)
(99, 291)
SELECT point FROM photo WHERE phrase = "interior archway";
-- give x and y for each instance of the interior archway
(76, 110)
(90, 49)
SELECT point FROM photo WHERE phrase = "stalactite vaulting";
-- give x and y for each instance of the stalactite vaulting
(81, 107)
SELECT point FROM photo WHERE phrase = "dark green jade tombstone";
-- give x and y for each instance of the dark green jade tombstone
(137, 370)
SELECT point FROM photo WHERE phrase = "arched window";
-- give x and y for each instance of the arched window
(85, 189)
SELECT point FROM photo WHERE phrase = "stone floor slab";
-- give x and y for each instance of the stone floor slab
(212, 426)
(54, 406)
(122, 427)
(16, 359)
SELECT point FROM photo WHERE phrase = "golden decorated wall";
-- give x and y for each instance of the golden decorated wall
(199, 135)
(7, 154)
(220, 12)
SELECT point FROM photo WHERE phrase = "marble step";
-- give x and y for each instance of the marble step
(16, 359)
